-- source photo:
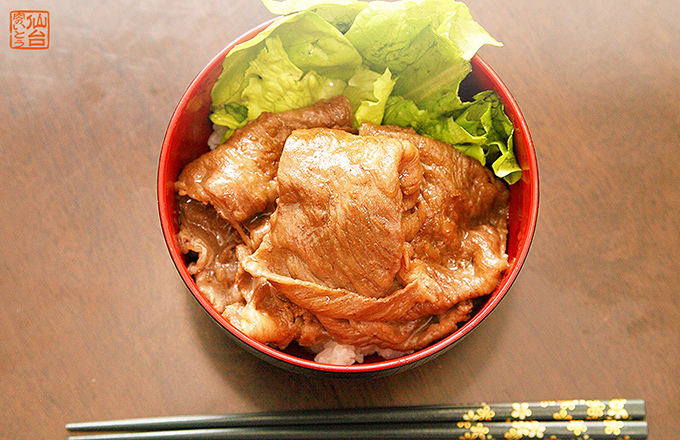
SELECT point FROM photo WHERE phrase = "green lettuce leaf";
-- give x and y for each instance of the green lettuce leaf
(485, 118)
(457, 25)
(398, 62)
(418, 41)
(232, 116)
(310, 42)
(404, 113)
(275, 84)
(368, 92)
(479, 128)
(339, 13)
(285, 7)
(317, 45)
(342, 17)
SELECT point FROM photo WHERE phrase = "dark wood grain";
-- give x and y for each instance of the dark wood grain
(96, 324)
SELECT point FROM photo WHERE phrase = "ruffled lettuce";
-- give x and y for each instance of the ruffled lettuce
(398, 63)
(310, 43)
(427, 44)
(276, 84)
(479, 128)
(368, 92)
(339, 13)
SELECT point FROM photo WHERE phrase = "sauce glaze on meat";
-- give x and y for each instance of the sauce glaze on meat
(304, 231)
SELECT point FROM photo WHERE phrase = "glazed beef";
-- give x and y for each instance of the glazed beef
(238, 177)
(250, 304)
(337, 225)
(382, 238)
(208, 236)
(460, 219)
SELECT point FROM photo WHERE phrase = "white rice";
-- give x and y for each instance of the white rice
(339, 354)
(215, 138)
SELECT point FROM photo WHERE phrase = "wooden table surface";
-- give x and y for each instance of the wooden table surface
(95, 322)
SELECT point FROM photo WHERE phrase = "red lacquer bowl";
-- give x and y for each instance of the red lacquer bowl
(186, 139)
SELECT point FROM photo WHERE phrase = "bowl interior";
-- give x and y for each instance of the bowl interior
(186, 139)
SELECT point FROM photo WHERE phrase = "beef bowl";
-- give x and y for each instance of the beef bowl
(187, 139)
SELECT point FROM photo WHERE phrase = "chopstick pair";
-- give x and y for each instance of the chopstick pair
(562, 419)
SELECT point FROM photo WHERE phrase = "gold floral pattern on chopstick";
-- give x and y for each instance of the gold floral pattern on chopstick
(549, 430)
(613, 427)
(614, 409)
(520, 410)
(578, 427)
(520, 430)
(563, 430)
(482, 413)
(617, 409)
(577, 419)
(595, 409)
(475, 431)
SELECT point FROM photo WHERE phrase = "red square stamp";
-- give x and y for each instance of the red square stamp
(29, 29)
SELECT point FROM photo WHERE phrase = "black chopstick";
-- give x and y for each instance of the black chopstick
(595, 430)
(589, 410)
